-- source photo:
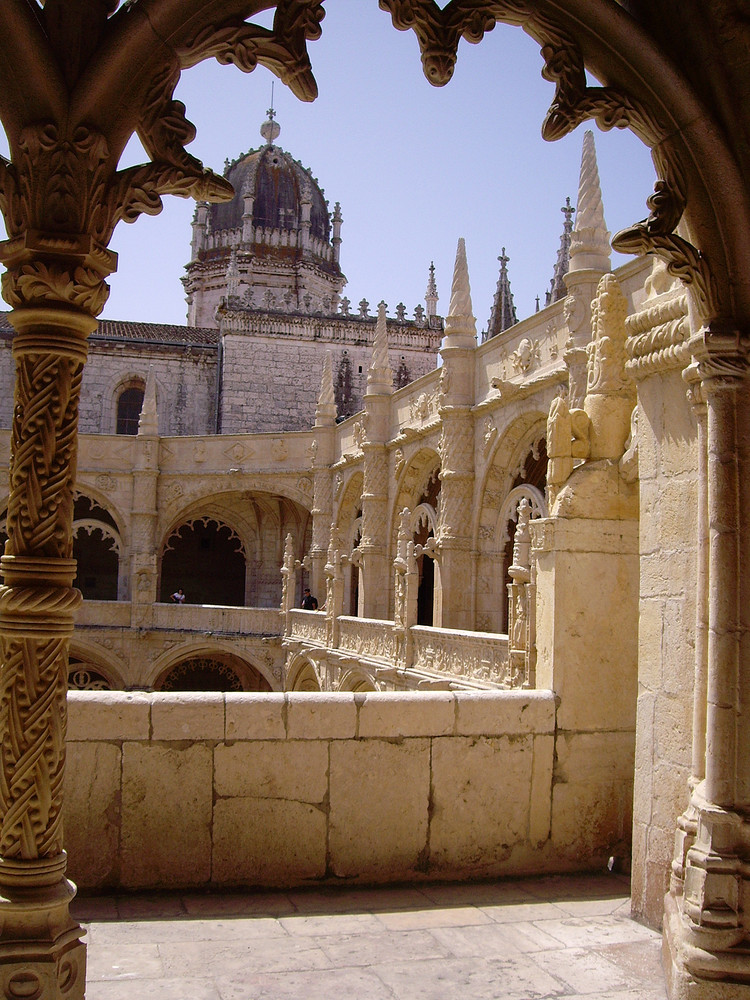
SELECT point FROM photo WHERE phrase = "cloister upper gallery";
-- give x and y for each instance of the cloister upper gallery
(529, 545)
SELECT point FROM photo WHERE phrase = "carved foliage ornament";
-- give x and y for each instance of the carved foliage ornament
(61, 194)
(439, 32)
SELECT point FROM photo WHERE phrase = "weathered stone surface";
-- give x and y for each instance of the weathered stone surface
(408, 713)
(295, 769)
(379, 807)
(108, 715)
(259, 717)
(188, 715)
(315, 716)
(267, 842)
(93, 802)
(480, 801)
(166, 815)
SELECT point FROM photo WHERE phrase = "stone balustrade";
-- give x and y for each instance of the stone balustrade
(309, 626)
(474, 656)
(367, 637)
(419, 657)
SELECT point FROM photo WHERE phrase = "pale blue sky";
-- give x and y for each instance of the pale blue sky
(413, 166)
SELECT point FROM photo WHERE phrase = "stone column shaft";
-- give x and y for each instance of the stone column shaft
(41, 951)
(376, 569)
(724, 595)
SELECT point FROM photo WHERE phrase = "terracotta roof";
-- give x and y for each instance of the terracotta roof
(149, 333)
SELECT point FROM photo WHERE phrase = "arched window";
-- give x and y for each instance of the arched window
(207, 561)
(129, 404)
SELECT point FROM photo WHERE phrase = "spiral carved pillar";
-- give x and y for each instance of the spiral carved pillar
(40, 949)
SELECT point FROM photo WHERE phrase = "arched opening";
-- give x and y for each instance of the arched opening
(532, 473)
(204, 558)
(85, 676)
(96, 549)
(425, 523)
(129, 405)
(212, 672)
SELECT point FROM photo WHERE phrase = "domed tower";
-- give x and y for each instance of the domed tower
(274, 246)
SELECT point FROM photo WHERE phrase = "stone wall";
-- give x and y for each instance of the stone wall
(668, 463)
(229, 790)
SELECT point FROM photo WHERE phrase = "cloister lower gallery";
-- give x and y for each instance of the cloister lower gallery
(529, 544)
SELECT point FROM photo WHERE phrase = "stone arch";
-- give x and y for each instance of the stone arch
(119, 382)
(519, 456)
(302, 674)
(349, 522)
(99, 549)
(212, 666)
(91, 668)
(261, 520)
(207, 559)
(357, 679)
(419, 490)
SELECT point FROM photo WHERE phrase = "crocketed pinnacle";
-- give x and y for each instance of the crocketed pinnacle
(431, 295)
(589, 247)
(325, 411)
(380, 373)
(460, 324)
(557, 289)
(503, 314)
(148, 422)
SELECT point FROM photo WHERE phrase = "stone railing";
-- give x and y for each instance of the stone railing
(468, 655)
(217, 619)
(309, 626)
(115, 614)
(409, 658)
(368, 637)
(369, 787)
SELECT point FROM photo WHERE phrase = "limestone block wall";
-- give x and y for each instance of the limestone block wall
(668, 464)
(213, 790)
(186, 385)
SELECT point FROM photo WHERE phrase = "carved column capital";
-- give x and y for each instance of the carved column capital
(722, 356)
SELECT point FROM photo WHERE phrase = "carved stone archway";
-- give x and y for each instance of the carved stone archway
(76, 82)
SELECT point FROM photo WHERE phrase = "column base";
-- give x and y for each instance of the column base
(42, 956)
(693, 973)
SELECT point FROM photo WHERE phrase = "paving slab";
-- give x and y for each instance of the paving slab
(519, 939)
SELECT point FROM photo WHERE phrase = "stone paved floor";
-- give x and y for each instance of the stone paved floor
(568, 936)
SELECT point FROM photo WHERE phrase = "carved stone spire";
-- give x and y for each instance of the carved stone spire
(503, 314)
(557, 289)
(380, 373)
(589, 246)
(325, 411)
(148, 422)
(460, 324)
(431, 295)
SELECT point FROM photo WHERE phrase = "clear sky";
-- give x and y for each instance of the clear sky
(414, 167)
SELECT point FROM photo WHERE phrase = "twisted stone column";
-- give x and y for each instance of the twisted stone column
(41, 954)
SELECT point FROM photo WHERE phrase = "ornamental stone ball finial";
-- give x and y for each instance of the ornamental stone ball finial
(270, 129)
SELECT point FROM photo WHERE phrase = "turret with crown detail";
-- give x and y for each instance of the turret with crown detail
(285, 243)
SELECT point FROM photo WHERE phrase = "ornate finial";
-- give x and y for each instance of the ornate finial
(503, 315)
(325, 411)
(460, 325)
(431, 295)
(380, 373)
(589, 245)
(557, 289)
(270, 129)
